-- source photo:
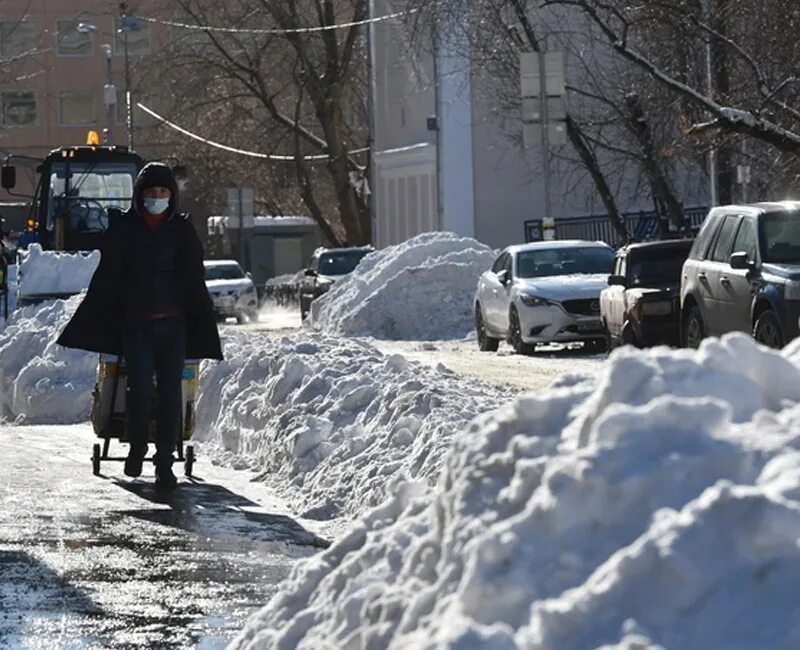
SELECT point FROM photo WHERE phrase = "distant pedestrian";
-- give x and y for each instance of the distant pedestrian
(148, 301)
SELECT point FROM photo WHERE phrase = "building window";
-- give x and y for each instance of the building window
(76, 108)
(16, 38)
(71, 42)
(18, 108)
(138, 38)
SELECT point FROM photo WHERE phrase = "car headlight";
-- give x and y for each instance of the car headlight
(655, 308)
(792, 290)
(529, 300)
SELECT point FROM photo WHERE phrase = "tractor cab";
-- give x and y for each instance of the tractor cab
(80, 189)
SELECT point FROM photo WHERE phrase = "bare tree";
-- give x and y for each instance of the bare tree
(283, 77)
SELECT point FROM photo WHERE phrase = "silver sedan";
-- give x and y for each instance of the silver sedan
(544, 292)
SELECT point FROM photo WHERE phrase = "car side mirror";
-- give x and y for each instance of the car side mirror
(502, 276)
(310, 273)
(617, 281)
(249, 275)
(8, 177)
(739, 261)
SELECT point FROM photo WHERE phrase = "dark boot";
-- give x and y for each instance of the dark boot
(165, 478)
(134, 461)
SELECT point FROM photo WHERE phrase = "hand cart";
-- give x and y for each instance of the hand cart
(108, 411)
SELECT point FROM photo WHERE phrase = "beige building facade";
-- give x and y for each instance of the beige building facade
(57, 61)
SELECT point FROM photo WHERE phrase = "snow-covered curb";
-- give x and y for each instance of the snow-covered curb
(422, 289)
(656, 504)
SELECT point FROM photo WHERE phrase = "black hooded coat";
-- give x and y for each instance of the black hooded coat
(96, 325)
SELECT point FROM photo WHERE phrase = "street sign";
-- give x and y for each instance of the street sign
(556, 134)
(240, 208)
(530, 78)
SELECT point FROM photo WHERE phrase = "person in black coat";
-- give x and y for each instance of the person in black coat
(148, 302)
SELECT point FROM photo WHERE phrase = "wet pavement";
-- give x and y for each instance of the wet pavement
(109, 562)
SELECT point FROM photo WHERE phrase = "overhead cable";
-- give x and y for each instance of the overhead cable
(296, 30)
(243, 152)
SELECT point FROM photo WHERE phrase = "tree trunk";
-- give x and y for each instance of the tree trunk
(591, 163)
(662, 190)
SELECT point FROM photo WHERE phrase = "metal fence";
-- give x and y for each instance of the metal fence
(641, 226)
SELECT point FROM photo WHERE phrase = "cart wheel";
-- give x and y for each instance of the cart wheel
(189, 463)
(96, 459)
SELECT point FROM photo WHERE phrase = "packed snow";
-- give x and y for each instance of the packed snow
(422, 289)
(55, 272)
(41, 382)
(656, 505)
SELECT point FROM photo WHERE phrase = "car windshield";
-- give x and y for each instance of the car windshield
(564, 261)
(84, 191)
(340, 263)
(657, 266)
(224, 272)
(780, 238)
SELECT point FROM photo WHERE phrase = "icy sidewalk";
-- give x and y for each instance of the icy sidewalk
(658, 504)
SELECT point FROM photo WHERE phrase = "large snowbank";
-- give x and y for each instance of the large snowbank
(56, 273)
(657, 505)
(334, 421)
(422, 289)
(41, 382)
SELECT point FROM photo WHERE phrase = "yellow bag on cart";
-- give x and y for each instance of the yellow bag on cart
(108, 398)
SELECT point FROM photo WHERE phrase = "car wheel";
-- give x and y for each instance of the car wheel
(515, 334)
(694, 330)
(486, 343)
(768, 331)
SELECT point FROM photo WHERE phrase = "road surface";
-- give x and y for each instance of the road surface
(108, 562)
(504, 368)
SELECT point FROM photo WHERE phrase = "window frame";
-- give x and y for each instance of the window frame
(754, 230)
(712, 225)
(61, 55)
(91, 122)
(736, 219)
(119, 51)
(35, 122)
(497, 266)
(17, 24)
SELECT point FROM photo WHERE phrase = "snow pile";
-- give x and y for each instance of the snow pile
(56, 273)
(656, 504)
(422, 289)
(334, 421)
(41, 382)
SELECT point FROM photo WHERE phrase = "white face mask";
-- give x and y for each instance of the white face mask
(155, 206)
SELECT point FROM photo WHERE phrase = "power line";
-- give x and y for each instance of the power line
(298, 30)
(225, 147)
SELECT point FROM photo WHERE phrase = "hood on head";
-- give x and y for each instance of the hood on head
(155, 174)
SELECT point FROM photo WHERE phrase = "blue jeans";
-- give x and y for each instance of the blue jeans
(157, 346)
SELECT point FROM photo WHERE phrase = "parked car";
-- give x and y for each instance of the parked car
(641, 304)
(232, 290)
(743, 274)
(543, 292)
(327, 265)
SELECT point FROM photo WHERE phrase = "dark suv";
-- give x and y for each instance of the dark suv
(326, 267)
(743, 274)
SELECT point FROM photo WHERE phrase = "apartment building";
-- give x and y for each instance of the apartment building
(57, 60)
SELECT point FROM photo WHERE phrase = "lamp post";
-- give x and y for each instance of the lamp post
(127, 24)
(109, 96)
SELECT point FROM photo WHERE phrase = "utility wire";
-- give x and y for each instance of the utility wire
(225, 147)
(298, 30)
